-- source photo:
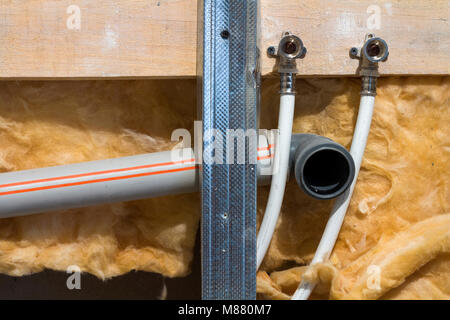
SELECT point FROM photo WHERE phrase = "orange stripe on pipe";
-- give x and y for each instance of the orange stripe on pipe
(265, 157)
(96, 173)
(96, 181)
(265, 148)
(108, 171)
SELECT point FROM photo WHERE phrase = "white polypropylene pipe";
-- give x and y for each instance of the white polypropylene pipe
(105, 181)
(96, 182)
(279, 177)
(337, 215)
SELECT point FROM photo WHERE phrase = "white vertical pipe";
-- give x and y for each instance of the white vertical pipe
(340, 207)
(279, 177)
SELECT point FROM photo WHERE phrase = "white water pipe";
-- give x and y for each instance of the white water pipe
(339, 210)
(95, 182)
(103, 181)
(279, 176)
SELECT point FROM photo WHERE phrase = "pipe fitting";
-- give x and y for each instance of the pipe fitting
(322, 168)
(369, 85)
(373, 51)
(289, 49)
(287, 83)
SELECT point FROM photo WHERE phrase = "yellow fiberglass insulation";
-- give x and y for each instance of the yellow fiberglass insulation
(395, 241)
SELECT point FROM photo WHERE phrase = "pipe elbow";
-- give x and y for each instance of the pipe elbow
(322, 168)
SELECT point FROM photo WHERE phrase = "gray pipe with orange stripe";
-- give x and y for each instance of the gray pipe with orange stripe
(103, 181)
(131, 178)
(95, 182)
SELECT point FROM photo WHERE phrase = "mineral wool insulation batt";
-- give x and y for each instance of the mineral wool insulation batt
(396, 229)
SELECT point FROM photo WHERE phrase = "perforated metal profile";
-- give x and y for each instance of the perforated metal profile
(229, 78)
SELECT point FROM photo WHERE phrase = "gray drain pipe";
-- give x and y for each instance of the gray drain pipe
(323, 168)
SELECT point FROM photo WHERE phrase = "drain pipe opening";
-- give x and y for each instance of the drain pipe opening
(326, 174)
(323, 168)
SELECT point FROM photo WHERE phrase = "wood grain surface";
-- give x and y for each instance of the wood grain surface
(149, 38)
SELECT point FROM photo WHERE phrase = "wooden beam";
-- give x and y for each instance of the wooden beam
(417, 32)
(150, 38)
(116, 38)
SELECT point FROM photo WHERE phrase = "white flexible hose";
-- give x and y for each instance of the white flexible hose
(279, 177)
(337, 215)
